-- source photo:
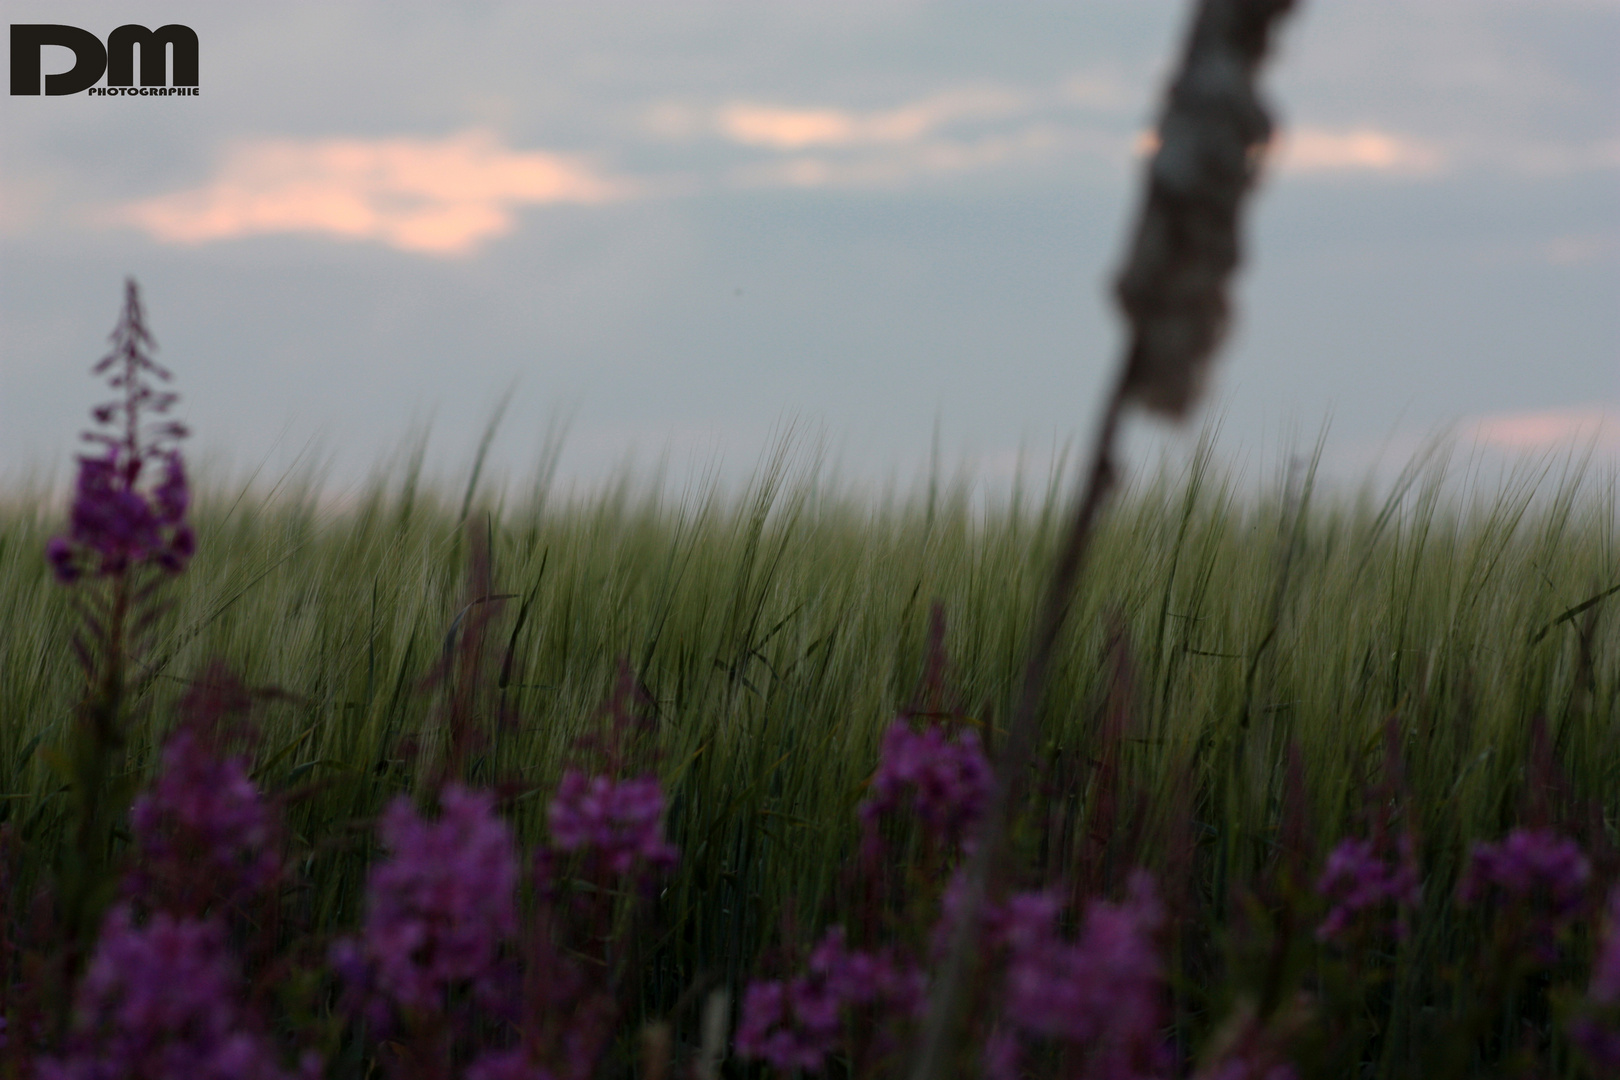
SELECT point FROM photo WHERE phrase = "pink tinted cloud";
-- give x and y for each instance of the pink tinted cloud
(439, 197)
(1309, 149)
(1551, 428)
(788, 128)
(895, 167)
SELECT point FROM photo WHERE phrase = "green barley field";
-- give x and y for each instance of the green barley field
(776, 632)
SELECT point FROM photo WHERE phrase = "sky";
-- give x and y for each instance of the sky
(678, 230)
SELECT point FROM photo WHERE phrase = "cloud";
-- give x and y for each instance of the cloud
(793, 128)
(439, 197)
(1309, 149)
(964, 128)
(1550, 428)
(894, 167)
(779, 128)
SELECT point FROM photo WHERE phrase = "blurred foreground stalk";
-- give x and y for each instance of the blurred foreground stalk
(1211, 139)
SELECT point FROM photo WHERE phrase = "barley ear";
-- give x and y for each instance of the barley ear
(1211, 140)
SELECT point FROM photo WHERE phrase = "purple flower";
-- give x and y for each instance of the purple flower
(1533, 864)
(1102, 991)
(1599, 1041)
(1535, 869)
(113, 523)
(511, 1064)
(1024, 921)
(440, 908)
(203, 828)
(1003, 1054)
(620, 821)
(796, 1024)
(947, 781)
(59, 553)
(792, 1025)
(1359, 877)
(163, 1001)
(120, 526)
(109, 516)
(1597, 1031)
(865, 978)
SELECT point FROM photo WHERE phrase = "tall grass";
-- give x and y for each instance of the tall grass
(778, 631)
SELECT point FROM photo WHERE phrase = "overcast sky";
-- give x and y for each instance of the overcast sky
(683, 225)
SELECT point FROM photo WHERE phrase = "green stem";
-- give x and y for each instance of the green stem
(96, 750)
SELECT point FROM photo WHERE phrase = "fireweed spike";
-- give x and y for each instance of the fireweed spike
(127, 519)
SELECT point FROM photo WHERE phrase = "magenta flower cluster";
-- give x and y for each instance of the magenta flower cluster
(1103, 991)
(1540, 874)
(946, 781)
(1359, 877)
(115, 523)
(798, 1023)
(512, 1064)
(440, 907)
(204, 830)
(121, 526)
(1022, 921)
(620, 821)
(162, 1000)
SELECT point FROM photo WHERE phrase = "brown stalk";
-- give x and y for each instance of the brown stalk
(1173, 290)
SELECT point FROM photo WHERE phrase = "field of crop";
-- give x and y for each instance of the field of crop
(1162, 780)
(1218, 713)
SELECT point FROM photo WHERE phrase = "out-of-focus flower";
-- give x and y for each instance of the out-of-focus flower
(621, 821)
(440, 907)
(1103, 991)
(115, 523)
(796, 1024)
(856, 977)
(788, 1025)
(60, 554)
(1531, 864)
(1022, 921)
(1597, 1030)
(507, 1065)
(163, 1001)
(1003, 1054)
(947, 781)
(204, 830)
(1359, 876)
(1599, 1041)
(1537, 870)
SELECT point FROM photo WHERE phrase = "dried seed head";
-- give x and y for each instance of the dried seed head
(1211, 138)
